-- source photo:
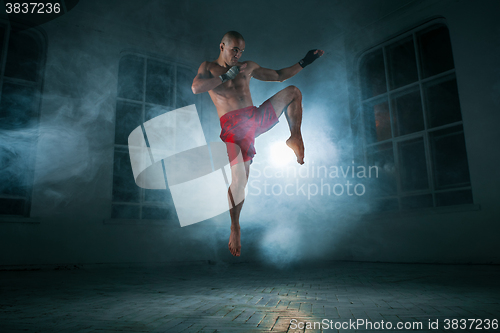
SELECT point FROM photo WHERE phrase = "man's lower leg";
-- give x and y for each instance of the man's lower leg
(234, 239)
(293, 114)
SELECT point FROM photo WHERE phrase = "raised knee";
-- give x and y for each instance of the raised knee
(294, 91)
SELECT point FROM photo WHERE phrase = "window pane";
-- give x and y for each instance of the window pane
(23, 56)
(385, 205)
(454, 198)
(155, 111)
(159, 213)
(377, 122)
(16, 106)
(131, 77)
(402, 63)
(449, 158)
(11, 206)
(185, 95)
(124, 187)
(417, 201)
(442, 104)
(157, 196)
(128, 117)
(382, 157)
(412, 165)
(435, 51)
(14, 168)
(373, 81)
(2, 38)
(125, 211)
(407, 113)
(159, 83)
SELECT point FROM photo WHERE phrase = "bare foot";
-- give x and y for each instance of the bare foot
(234, 242)
(297, 145)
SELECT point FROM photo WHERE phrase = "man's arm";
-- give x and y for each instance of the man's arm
(265, 74)
(204, 80)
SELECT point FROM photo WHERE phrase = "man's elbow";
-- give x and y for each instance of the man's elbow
(281, 77)
(195, 90)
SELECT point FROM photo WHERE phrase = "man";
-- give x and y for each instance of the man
(228, 82)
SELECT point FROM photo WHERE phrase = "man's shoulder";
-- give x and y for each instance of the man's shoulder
(250, 63)
(209, 64)
(209, 68)
(250, 66)
(213, 64)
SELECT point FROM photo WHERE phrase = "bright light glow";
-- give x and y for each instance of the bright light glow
(281, 154)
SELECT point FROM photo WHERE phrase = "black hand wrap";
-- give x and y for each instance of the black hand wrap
(230, 74)
(309, 58)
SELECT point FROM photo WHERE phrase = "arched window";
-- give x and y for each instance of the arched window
(412, 121)
(22, 57)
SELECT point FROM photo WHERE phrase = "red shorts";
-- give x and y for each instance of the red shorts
(242, 126)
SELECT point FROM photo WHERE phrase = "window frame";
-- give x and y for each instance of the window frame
(176, 64)
(40, 38)
(388, 96)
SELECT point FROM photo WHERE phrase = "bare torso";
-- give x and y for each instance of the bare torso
(233, 94)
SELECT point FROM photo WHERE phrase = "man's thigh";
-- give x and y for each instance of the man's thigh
(282, 99)
(239, 177)
(240, 172)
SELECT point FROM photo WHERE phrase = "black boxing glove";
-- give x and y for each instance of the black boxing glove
(230, 74)
(309, 58)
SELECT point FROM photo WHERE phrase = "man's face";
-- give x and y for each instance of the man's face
(232, 51)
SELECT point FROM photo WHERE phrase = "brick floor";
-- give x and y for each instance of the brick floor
(247, 298)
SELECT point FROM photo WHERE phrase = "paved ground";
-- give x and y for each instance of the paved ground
(249, 298)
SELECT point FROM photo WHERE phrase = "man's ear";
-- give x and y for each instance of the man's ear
(222, 46)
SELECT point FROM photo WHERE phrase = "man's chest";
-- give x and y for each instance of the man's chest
(240, 84)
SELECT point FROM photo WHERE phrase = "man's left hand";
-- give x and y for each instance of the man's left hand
(310, 57)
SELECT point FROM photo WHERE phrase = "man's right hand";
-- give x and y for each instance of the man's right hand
(232, 73)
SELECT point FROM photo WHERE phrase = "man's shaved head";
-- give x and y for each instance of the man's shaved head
(231, 35)
(231, 48)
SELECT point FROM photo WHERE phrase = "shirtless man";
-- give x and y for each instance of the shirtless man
(228, 82)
